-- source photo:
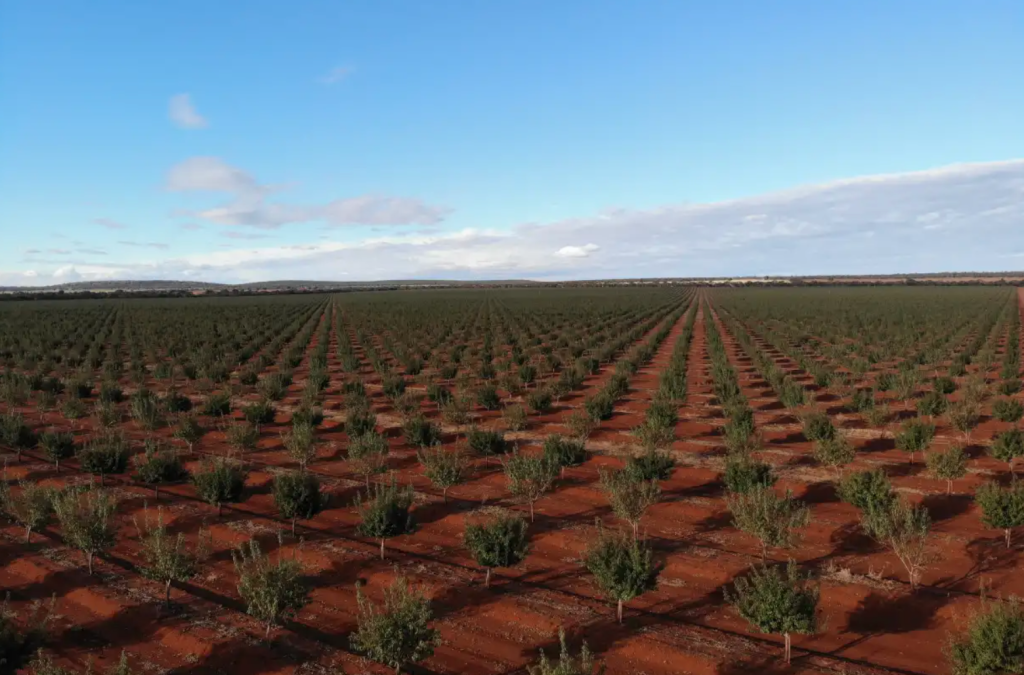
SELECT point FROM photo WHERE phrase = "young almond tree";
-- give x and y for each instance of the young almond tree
(272, 591)
(57, 445)
(1001, 508)
(398, 633)
(867, 490)
(529, 477)
(369, 454)
(777, 602)
(169, 559)
(298, 495)
(914, 437)
(1008, 446)
(964, 417)
(567, 663)
(219, 481)
(86, 519)
(444, 469)
(904, 528)
(158, 466)
(501, 541)
(31, 507)
(994, 642)
(301, 443)
(623, 567)
(384, 512)
(948, 465)
(769, 517)
(629, 496)
(835, 452)
(744, 474)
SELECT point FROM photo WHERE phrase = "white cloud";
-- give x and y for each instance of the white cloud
(145, 244)
(578, 251)
(183, 114)
(868, 225)
(337, 74)
(249, 205)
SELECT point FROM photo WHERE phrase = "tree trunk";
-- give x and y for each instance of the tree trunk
(788, 645)
(398, 669)
(88, 561)
(949, 487)
(620, 611)
(531, 512)
(270, 625)
(764, 552)
(487, 578)
(167, 592)
(382, 549)
(636, 530)
(444, 494)
(28, 534)
(1006, 532)
(220, 509)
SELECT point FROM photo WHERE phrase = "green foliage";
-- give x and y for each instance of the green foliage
(301, 443)
(15, 433)
(486, 442)
(768, 517)
(580, 424)
(86, 520)
(145, 409)
(964, 416)
(393, 387)
(944, 385)
(369, 454)
(217, 405)
(932, 404)
(31, 507)
(242, 436)
(421, 432)
(398, 633)
(529, 477)
(622, 566)
(443, 468)
(818, 427)
(57, 445)
(500, 541)
(1002, 508)
(539, 401)
(743, 474)
(567, 663)
(1008, 410)
(867, 490)
(652, 464)
(17, 645)
(271, 591)
(994, 642)
(599, 407)
(1009, 387)
(167, 558)
(219, 481)
(1007, 446)
(562, 452)
(515, 417)
(360, 420)
(188, 431)
(259, 413)
(384, 511)
(776, 601)
(158, 465)
(948, 465)
(298, 495)
(106, 454)
(487, 397)
(629, 496)
(915, 436)
(835, 452)
(904, 528)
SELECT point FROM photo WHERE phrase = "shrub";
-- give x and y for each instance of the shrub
(769, 517)
(188, 431)
(629, 496)
(219, 481)
(298, 495)
(145, 409)
(964, 417)
(486, 442)
(15, 433)
(217, 405)
(1009, 387)
(623, 567)
(562, 452)
(307, 416)
(439, 394)
(501, 541)
(16, 646)
(835, 452)
(110, 392)
(743, 474)
(948, 465)
(259, 413)
(273, 386)
(528, 477)
(301, 444)
(515, 417)
(1007, 446)
(915, 436)
(359, 422)
(369, 454)
(567, 664)
(86, 521)
(420, 431)
(169, 559)
(104, 455)
(57, 445)
(242, 436)
(398, 633)
(944, 385)
(384, 512)
(1001, 508)
(407, 405)
(540, 401)
(931, 404)
(818, 427)
(487, 397)
(31, 507)
(444, 469)
(271, 591)
(158, 465)
(994, 642)
(863, 400)
(1008, 410)
(903, 527)
(867, 490)
(580, 424)
(175, 402)
(776, 602)
(651, 465)
(393, 387)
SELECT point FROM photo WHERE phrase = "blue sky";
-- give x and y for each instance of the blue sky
(237, 141)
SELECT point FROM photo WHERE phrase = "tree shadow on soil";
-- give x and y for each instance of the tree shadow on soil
(882, 613)
(943, 507)
(822, 492)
